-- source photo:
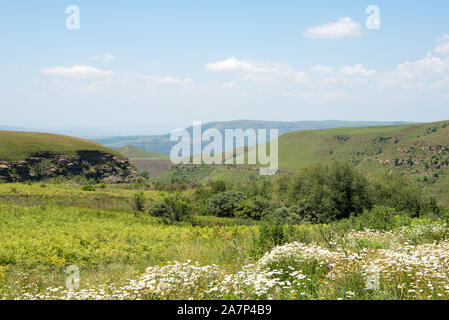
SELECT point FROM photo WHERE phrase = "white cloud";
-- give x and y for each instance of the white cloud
(357, 70)
(322, 70)
(302, 77)
(443, 45)
(77, 71)
(426, 71)
(230, 84)
(345, 27)
(168, 80)
(426, 66)
(107, 57)
(233, 64)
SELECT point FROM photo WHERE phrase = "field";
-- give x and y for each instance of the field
(368, 222)
(123, 254)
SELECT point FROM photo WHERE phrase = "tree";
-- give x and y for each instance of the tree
(223, 204)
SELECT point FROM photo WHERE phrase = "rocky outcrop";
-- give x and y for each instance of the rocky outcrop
(91, 164)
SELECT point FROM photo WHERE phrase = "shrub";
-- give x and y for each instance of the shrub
(88, 187)
(399, 192)
(223, 204)
(144, 174)
(253, 208)
(217, 186)
(271, 233)
(159, 209)
(326, 192)
(138, 201)
(378, 218)
(173, 208)
(301, 214)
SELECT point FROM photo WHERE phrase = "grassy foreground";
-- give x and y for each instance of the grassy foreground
(124, 256)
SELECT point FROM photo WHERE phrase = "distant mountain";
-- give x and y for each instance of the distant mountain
(162, 144)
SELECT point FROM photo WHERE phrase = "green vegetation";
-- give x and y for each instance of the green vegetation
(134, 153)
(114, 245)
(162, 143)
(18, 145)
(221, 232)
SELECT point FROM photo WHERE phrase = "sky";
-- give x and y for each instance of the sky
(135, 67)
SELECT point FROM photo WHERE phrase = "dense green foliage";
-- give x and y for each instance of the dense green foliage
(316, 194)
(224, 203)
(173, 208)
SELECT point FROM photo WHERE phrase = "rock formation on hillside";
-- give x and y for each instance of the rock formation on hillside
(97, 165)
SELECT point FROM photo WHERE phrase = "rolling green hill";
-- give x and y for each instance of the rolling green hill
(418, 150)
(15, 145)
(134, 153)
(30, 156)
(162, 144)
(411, 146)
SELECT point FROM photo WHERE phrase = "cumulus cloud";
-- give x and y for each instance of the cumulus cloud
(345, 27)
(322, 70)
(107, 57)
(443, 45)
(230, 84)
(302, 77)
(426, 66)
(168, 80)
(233, 64)
(77, 71)
(429, 70)
(357, 70)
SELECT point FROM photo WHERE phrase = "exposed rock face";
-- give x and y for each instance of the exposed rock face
(90, 164)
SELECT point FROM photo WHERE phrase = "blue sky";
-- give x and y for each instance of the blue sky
(151, 66)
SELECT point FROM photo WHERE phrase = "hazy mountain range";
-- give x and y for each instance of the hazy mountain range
(162, 144)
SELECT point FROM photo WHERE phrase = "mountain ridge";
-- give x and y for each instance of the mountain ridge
(162, 144)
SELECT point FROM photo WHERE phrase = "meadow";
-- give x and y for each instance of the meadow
(124, 253)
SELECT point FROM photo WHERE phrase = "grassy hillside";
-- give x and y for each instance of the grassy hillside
(206, 173)
(391, 145)
(15, 145)
(162, 144)
(418, 150)
(135, 153)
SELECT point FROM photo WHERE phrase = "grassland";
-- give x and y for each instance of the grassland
(18, 145)
(44, 228)
(124, 253)
(205, 173)
(134, 153)
(301, 148)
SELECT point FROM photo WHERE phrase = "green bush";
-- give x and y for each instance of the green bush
(144, 174)
(399, 192)
(88, 187)
(138, 201)
(218, 186)
(378, 218)
(253, 208)
(327, 192)
(223, 204)
(173, 208)
(159, 209)
(271, 233)
(302, 214)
